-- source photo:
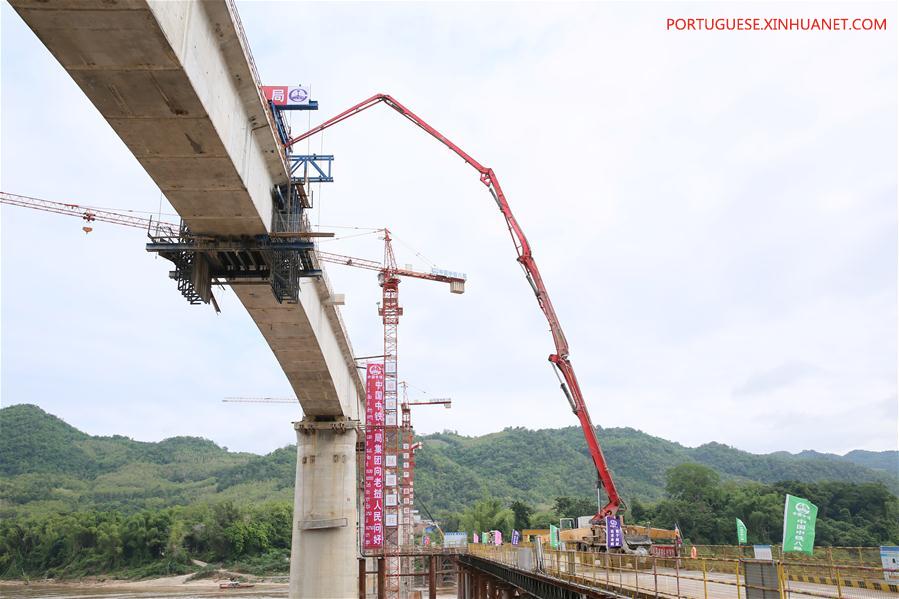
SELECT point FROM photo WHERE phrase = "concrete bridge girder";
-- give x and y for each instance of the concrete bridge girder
(174, 79)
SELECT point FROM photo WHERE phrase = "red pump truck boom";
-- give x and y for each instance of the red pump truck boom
(559, 359)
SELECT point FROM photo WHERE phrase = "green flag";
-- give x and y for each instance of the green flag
(799, 525)
(741, 532)
(553, 537)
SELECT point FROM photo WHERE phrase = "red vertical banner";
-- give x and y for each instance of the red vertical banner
(373, 531)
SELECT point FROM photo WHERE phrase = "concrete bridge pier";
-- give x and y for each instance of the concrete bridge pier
(323, 550)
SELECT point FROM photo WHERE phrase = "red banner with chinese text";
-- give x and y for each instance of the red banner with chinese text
(373, 526)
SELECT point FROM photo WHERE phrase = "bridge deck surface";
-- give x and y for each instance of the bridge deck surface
(663, 579)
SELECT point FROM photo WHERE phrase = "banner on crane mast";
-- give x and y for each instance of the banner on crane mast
(374, 457)
(284, 95)
(799, 525)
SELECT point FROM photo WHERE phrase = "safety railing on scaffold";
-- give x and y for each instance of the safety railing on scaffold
(646, 576)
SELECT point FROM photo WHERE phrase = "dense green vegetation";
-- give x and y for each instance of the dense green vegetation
(705, 509)
(849, 514)
(72, 504)
(51, 467)
(535, 466)
(146, 543)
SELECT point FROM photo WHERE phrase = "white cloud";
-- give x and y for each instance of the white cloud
(706, 207)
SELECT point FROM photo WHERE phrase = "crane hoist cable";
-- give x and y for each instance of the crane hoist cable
(560, 358)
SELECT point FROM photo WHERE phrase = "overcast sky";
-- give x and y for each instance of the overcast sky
(714, 214)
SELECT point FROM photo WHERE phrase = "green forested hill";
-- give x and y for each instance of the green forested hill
(533, 466)
(888, 461)
(48, 466)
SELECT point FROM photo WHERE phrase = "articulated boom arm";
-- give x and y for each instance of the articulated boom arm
(560, 358)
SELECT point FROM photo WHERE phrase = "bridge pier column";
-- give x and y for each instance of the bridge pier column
(432, 577)
(463, 590)
(323, 548)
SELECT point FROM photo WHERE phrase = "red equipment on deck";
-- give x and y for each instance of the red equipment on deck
(559, 359)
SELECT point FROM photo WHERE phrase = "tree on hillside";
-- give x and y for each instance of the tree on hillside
(637, 512)
(450, 521)
(522, 513)
(544, 519)
(692, 483)
(573, 507)
(486, 515)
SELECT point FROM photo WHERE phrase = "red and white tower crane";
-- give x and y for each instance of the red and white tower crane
(398, 519)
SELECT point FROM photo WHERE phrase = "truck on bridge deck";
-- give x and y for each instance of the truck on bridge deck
(642, 539)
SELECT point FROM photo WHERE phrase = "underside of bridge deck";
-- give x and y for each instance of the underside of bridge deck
(175, 80)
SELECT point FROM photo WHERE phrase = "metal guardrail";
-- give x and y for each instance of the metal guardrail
(862, 556)
(698, 578)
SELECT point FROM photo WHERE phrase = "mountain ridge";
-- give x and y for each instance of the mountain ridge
(49, 465)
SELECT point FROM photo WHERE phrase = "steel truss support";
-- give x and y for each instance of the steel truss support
(532, 583)
(311, 168)
(280, 259)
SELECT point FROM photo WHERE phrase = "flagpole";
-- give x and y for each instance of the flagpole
(783, 539)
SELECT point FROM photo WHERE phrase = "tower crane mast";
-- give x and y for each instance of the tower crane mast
(560, 358)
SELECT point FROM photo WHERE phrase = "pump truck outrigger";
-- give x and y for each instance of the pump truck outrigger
(559, 359)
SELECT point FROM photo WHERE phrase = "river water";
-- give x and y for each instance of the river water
(58, 592)
(61, 592)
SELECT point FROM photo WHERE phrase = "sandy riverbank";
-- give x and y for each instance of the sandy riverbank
(166, 583)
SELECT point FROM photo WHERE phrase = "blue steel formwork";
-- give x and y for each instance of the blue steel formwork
(320, 164)
(312, 168)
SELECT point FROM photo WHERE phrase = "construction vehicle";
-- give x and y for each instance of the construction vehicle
(642, 540)
(560, 358)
